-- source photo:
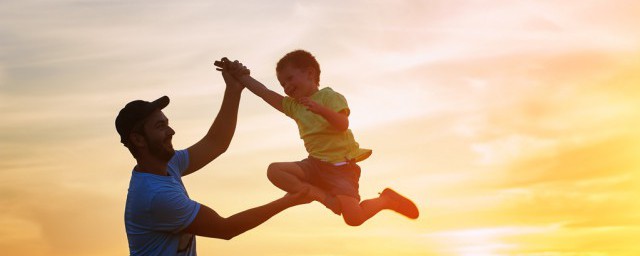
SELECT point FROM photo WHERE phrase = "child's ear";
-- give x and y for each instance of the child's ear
(312, 74)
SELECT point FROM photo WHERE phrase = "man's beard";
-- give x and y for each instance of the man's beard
(157, 149)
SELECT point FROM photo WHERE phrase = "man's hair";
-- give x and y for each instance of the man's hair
(139, 129)
(299, 59)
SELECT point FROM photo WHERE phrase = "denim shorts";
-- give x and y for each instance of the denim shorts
(336, 180)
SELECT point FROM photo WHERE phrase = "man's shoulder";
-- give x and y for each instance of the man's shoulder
(178, 163)
(179, 155)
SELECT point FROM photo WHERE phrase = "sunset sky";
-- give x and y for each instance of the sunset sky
(514, 125)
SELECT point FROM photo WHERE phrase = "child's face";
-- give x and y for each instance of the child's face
(297, 82)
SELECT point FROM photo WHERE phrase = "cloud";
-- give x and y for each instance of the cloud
(613, 156)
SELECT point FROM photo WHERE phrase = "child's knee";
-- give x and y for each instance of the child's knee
(352, 219)
(273, 170)
(277, 172)
(351, 211)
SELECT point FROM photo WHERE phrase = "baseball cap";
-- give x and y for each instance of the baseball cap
(134, 112)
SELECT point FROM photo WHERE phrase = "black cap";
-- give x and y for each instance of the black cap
(134, 112)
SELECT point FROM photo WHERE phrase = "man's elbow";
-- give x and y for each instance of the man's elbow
(228, 237)
(222, 150)
(229, 234)
(219, 150)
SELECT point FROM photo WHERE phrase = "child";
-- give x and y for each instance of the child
(331, 172)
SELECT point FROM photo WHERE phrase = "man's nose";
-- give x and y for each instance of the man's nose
(171, 131)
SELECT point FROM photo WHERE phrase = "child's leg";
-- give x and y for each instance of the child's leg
(290, 177)
(355, 213)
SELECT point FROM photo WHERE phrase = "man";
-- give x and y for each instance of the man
(160, 218)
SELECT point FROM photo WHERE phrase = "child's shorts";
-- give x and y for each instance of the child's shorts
(336, 180)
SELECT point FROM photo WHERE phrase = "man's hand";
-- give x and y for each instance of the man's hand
(301, 197)
(235, 68)
(225, 66)
(231, 82)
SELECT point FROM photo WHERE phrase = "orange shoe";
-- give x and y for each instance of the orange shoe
(401, 204)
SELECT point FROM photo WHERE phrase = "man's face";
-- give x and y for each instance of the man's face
(158, 136)
(297, 83)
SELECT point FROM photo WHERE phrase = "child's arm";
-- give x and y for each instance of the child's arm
(273, 98)
(242, 74)
(339, 120)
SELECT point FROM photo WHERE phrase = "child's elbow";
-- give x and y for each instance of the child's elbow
(342, 127)
(340, 124)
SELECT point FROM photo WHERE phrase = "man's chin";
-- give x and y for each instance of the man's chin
(170, 154)
(166, 155)
(170, 150)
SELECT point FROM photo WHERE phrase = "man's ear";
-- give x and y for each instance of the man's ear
(137, 140)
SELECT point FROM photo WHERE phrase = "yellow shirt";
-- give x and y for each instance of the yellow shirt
(322, 140)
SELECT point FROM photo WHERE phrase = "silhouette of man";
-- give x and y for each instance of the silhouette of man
(160, 218)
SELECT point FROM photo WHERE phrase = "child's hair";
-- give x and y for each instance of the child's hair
(299, 59)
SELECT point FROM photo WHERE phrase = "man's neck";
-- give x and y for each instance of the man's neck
(153, 167)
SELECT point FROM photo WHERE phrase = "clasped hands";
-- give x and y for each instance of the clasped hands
(235, 68)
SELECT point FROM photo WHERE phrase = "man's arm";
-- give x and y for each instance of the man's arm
(208, 223)
(219, 136)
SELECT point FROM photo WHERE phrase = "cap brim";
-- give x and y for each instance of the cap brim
(160, 103)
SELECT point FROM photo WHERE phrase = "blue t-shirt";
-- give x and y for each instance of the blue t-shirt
(158, 209)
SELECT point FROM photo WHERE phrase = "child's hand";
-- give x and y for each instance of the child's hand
(237, 69)
(311, 105)
(234, 68)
